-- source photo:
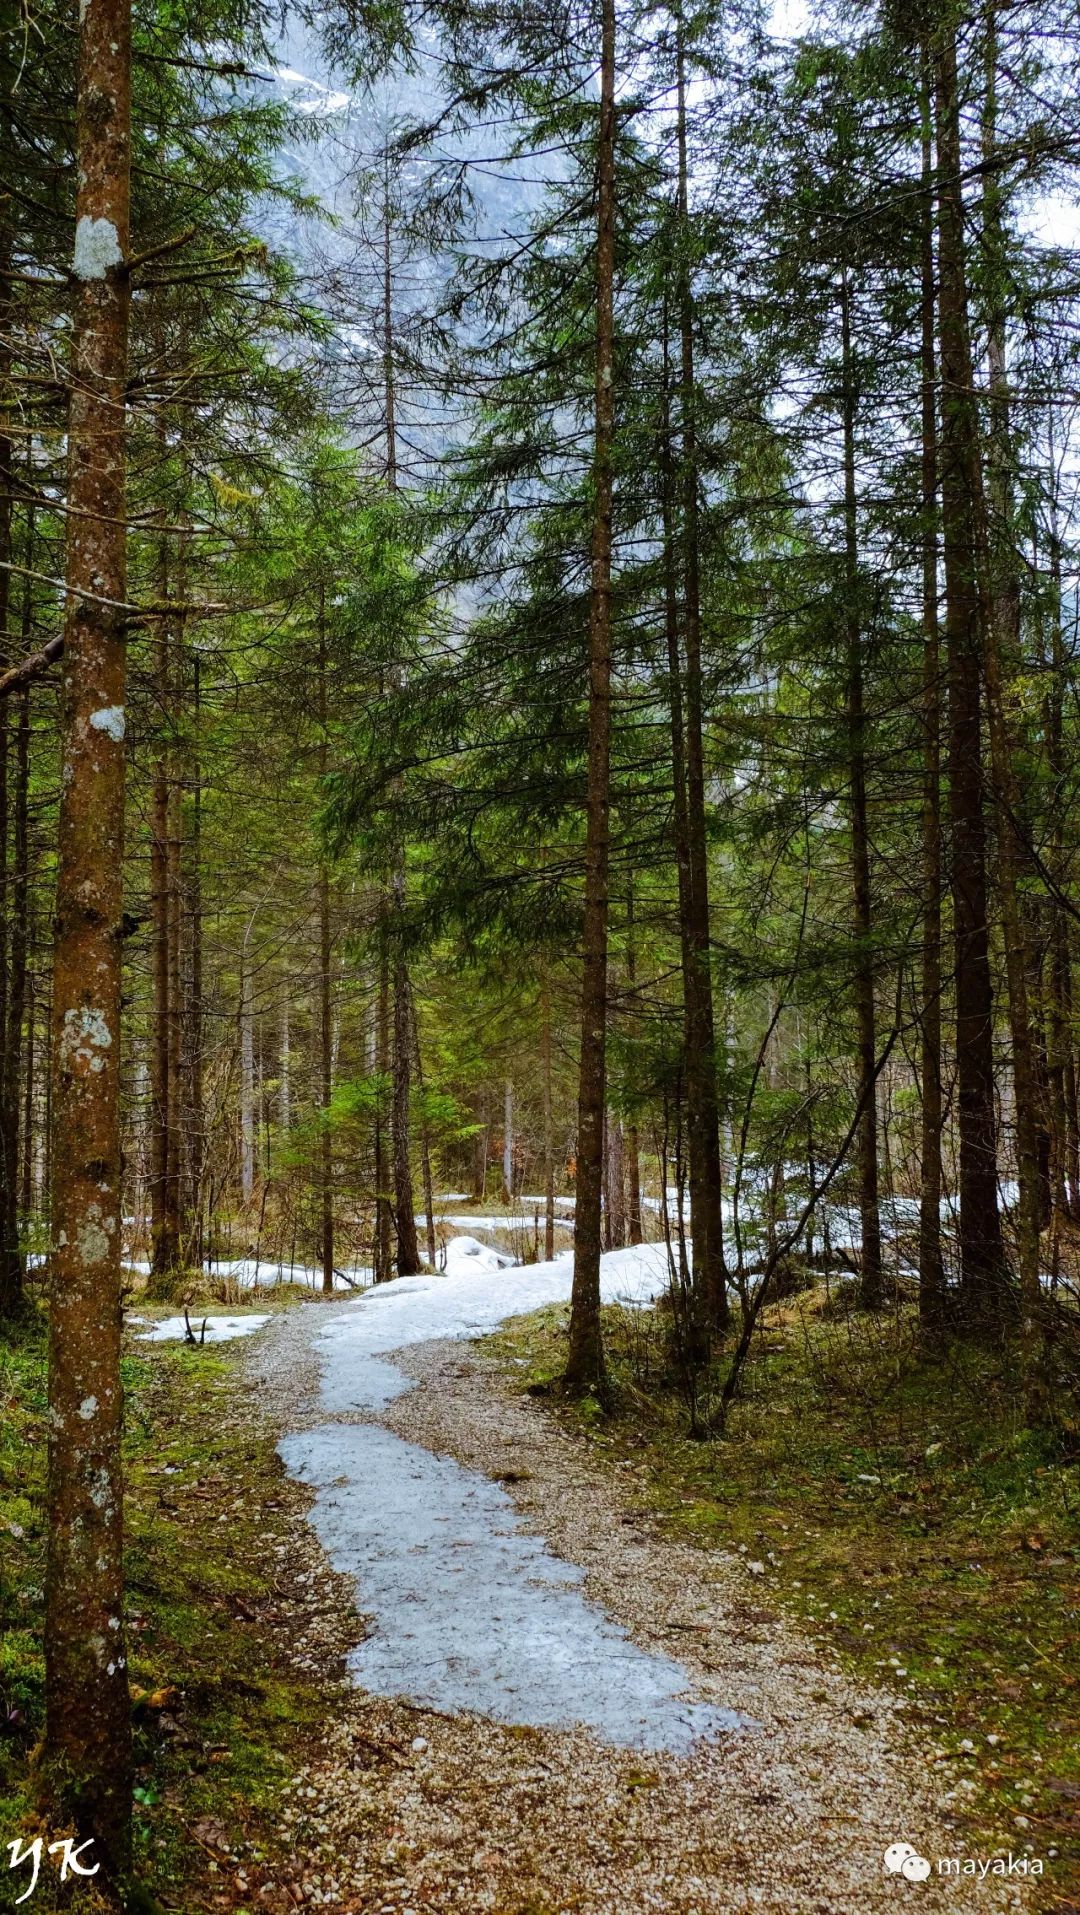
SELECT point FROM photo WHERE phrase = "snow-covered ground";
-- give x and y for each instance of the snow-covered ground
(218, 1329)
(467, 1610)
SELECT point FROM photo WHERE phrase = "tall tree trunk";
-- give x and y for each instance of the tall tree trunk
(87, 1748)
(384, 1209)
(285, 1064)
(174, 1176)
(11, 1276)
(585, 1357)
(931, 1269)
(616, 1183)
(508, 1142)
(196, 1128)
(694, 1050)
(162, 1246)
(408, 1250)
(633, 1144)
(425, 1140)
(326, 1019)
(10, 1285)
(712, 1279)
(247, 1074)
(982, 1258)
(870, 1290)
(549, 1138)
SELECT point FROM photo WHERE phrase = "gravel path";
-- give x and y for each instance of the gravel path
(410, 1809)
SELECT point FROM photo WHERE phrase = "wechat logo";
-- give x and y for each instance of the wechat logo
(902, 1859)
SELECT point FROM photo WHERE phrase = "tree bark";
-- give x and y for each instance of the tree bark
(247, 1074)
(931, 1269)
(870, 1283)
(983, 1274)
(508, 1142)
(326, 1022)
(384, 1209)
(585, 1357)
(710, 1275)
(549, 1139)
(87, 1749)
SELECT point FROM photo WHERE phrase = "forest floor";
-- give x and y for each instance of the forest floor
(269, 1780)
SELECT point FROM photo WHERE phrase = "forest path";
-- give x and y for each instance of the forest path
(445, 1498)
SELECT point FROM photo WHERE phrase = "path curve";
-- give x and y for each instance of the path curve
(417, 1808)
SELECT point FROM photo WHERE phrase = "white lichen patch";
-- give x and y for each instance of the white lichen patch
(88, 1408)
(97, 247)
(93, 1242)
(85, 1035)
(110, 720)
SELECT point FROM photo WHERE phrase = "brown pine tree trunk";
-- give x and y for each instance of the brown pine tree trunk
(982, 1258)
(425, 1139)
(326, 1019)
(196, 1148)
(633, 1144)
(710, 1278)
(693, 1040)
(549, 1138)
(11, 1275)
(931, 1269)
(408, 1250)
(162, 1247)
(86, 1758)
(585, 1357)
(870, 1285)
(10, 1287)
(384, 1209)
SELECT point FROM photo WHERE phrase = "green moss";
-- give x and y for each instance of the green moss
(899, 1508)
(220, 1713)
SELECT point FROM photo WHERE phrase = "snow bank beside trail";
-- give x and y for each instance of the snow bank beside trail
(470, 1297)
(262, 1273)
(218, 1329)
(473, 1614)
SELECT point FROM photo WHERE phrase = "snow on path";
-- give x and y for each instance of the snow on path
(469, 1611)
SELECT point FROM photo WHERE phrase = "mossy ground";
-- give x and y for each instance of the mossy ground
(900, 1508)
(222, 1715)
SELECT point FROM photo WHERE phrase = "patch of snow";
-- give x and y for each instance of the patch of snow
(470, 1612)
(469, 1298)
(218, 1329)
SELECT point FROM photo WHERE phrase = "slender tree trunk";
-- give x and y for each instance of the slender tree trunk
(982, 1257)
(247, 1074)
(29, 1088)
(326, 1007)
(11, 1278)
(86, 1763)
(174, 1177)
(508, 1142)
(196, 1135)
(384, 1210)
(285, 1064)
(162, 1247)
(633, 1146)
(931, 1269)
(408, 1250)
(694, 1050)
(710, 1278)
(585, 1357)
(425, 1140)
(549, 1139)
(870, 1282)
(10, 1285)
